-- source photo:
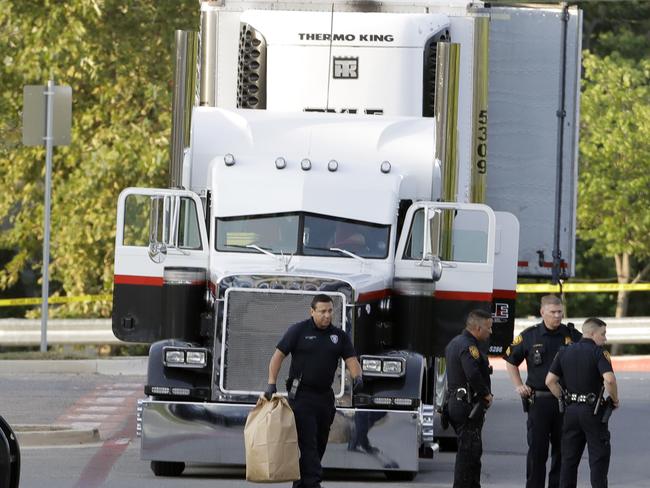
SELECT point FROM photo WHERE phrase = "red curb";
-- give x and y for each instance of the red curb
(636, 364)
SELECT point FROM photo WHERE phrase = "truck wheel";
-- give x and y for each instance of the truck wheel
(400, 475)
(166, 468)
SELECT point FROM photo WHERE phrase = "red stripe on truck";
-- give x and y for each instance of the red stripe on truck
(512, 294)
(138, 280)
(470, 296)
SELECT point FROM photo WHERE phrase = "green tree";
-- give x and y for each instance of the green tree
(117, 57)
(614, 186)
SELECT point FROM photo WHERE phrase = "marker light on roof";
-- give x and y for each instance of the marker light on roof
(385, 167)
(229, 159)
(280, 163)
(333, 165)
(305, 164)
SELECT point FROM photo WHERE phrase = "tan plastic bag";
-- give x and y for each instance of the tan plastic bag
(271, 442)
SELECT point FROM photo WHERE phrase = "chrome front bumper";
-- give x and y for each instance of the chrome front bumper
(213, 433)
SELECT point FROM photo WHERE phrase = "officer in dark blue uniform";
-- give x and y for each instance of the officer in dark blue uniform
(584, 367)
(538, 345)
(315, 346)
(469, 395)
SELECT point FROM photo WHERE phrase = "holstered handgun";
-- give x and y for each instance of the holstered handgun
(526, 402)
(477, 408)
(607, 410)
(607, 405)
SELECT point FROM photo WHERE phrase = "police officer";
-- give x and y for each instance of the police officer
(469, 395)
(538, 345)
(584, 367)
(315, 346)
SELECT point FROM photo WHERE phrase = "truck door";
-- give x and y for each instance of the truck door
(161, 261)
(504, 294)
(444, 268)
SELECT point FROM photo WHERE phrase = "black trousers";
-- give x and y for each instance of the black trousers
(544, 426)
(582, 426)
(314, 414)
(467, 470)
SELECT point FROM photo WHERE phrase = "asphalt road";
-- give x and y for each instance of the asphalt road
(108, 402)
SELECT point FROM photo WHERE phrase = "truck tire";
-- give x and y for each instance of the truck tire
(167, 468)
(400, 475)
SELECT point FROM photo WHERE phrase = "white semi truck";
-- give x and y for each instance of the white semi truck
(383, 153)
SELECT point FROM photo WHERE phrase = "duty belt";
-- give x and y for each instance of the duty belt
(588, 398)
(542, 393)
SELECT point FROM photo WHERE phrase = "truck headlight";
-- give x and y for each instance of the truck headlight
(174, 356)
(195, 357)
(371, 365)
(392, 367)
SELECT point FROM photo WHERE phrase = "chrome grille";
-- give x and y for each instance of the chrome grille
(254, 322)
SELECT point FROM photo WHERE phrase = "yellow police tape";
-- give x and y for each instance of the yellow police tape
(521, 288)
(581, 287)
(22, 302)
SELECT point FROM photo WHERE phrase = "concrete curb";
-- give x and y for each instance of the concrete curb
(54, 435)
(136, 366)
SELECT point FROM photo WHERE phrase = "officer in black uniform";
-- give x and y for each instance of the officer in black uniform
(583, 367)
(469, 395)
(315, 346)
(538, 345)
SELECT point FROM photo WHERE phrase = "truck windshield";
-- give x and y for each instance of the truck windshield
(302, 234)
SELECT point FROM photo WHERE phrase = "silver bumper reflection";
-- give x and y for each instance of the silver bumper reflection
(214, 434)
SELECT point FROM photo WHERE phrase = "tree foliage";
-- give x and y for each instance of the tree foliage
(614, 188)
(117, 57)
(615, 155)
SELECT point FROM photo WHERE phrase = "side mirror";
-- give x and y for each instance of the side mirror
(433, 219)
(157, 252)
(163, 218)
(436, 268)
(431, 244)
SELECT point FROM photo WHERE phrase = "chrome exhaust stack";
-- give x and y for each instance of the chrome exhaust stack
(183, 98)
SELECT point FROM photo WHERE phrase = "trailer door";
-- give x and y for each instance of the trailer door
(161, 246)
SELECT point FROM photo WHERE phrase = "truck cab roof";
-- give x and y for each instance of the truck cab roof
(236, 154)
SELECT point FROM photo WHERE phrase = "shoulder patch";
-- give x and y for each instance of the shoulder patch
(517, 340)
(473, 350)
(607, 355)
(568, 340)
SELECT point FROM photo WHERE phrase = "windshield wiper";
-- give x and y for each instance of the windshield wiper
(338, 250)
(282, 259)
(260, 249)
(348, 253)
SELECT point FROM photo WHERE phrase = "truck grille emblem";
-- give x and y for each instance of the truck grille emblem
(346, 68)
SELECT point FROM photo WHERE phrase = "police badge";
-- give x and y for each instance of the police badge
(334, 338)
